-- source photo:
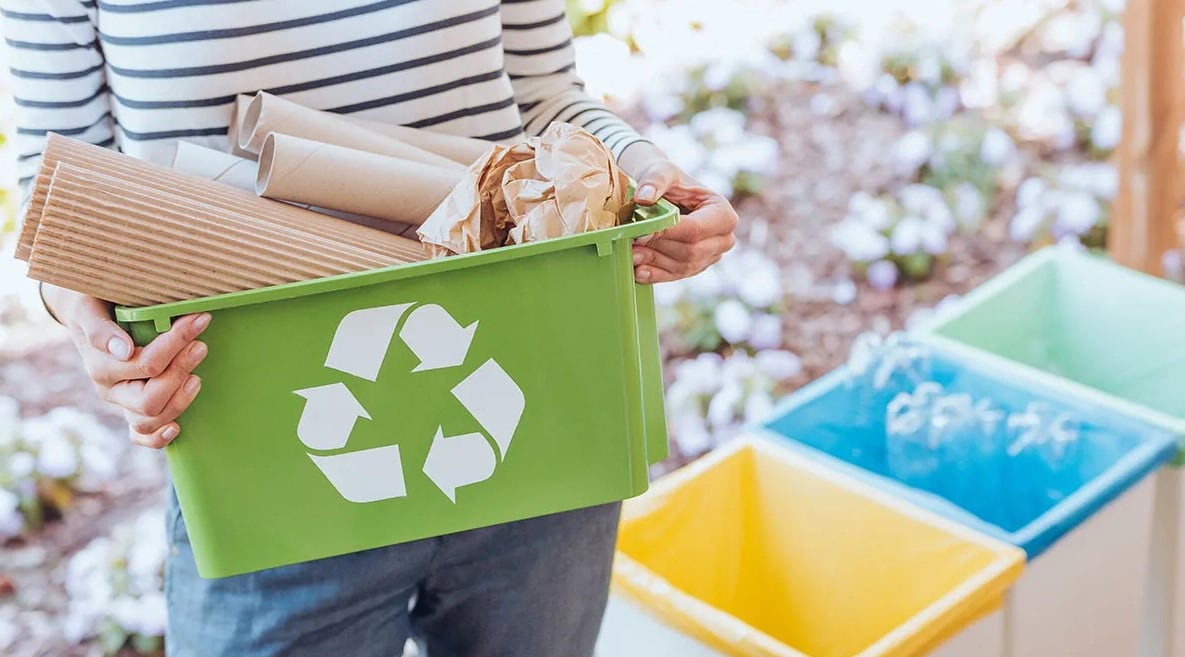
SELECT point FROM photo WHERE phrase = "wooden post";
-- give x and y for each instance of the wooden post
(1145, 212)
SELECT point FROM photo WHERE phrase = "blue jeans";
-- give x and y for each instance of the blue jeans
(532, 588)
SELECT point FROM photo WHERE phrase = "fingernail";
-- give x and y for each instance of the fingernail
(647, 193)
(192, 385)
(198, 350)
(644, 275)
(169, 433)
(119, 348)
(202, 321)
(637, 257)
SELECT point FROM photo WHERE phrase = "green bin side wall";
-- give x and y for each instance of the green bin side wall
(250, 495)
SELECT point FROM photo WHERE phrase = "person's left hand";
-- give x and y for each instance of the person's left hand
(704, 232)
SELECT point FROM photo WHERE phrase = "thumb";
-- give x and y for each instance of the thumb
(654, 182)
(94, 321)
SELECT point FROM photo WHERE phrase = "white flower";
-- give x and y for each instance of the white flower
(56, 457)
(716, 182)
(1086, 95)
(807, 44)
(1026, 223)
(733, 321)
(933, 237)
(778, 364)
(919, 108)
(154, 615)
(700, 375)
(662, 106)
(912, 151)
(859, 242)
(844, 292)
(725, 404)
(907, 236)
(760, 284)
(882, 275)
(872, 212)
(758, 406)
(1107, 129)
(12, 521)
(969, 204)
(720, 124)
(680, 144)
(691, 433)
(21, 464)
(766, 332)
(668, 294)
(997, 148)
(1030, 192)
(1077, 213)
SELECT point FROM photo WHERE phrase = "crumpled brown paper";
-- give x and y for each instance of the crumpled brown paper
(563, 182)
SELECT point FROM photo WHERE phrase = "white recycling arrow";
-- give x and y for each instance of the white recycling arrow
(456, 461)
(436, 338)
(494, 400)
(330, 412)
(360, 343)
(367, 475)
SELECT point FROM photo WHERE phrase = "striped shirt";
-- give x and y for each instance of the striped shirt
(141, 74)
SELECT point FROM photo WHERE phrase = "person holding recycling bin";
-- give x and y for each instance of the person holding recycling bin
(139, 75)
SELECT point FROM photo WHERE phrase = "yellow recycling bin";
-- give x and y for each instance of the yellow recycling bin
(760, 552)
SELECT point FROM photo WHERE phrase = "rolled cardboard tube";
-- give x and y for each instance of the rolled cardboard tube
(383, 247)
(214, 165)
(463, 150)
(267, 114)
(242, 173)
(350, 180)
(236, 122)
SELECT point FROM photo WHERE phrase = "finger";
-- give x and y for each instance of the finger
(704, 222)
(93, 319)
(698, 252)
(654, 182)
(159, 438)
(152, 361)
(647, 260)
(149, 397)
(144, 425)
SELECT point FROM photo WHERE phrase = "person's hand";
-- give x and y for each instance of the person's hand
(705, 229)
(153, 384)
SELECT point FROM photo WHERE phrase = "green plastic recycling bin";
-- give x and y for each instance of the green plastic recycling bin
(1114, 337)
(378, 407)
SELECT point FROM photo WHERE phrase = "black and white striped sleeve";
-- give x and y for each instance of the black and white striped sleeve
(57, 74)
(541, 63)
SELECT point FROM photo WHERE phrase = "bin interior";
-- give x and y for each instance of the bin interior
(1032, 498)
(1085, 319)
(819, 567)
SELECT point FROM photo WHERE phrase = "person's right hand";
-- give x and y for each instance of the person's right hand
(153, 384)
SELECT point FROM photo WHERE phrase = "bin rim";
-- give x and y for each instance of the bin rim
(646, 220)
(1036, 536)
(637, 582)
(929, 332)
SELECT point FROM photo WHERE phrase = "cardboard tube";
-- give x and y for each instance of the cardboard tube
(325, 175)
(215, 165)
(463, 150)
(241, 173)
(236, 122)
(268, 113)
(382, 246)
(103, 236)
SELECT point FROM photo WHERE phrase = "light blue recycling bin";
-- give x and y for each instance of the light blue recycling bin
(1087, 514)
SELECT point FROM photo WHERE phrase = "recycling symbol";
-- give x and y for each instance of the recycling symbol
(438, 341)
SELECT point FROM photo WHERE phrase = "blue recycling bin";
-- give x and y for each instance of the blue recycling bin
(1087, 513)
